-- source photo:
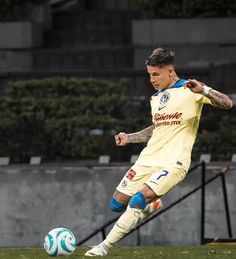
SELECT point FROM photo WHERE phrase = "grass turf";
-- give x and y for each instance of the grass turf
(202, 252)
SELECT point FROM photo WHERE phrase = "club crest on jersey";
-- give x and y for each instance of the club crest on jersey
(165, 98)
(163, 101)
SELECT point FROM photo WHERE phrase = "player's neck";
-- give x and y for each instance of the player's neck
(173, 81)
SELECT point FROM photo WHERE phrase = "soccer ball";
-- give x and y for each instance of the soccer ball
(59, 241)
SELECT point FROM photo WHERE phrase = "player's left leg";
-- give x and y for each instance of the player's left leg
(151, 209)
(126, 222)
(119, 201)
(161, 182)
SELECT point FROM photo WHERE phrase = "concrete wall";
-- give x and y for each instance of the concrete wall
(182, 31)
(199, 43)
(20, 35)
(35, 199)
(15, 60)
(18, 38)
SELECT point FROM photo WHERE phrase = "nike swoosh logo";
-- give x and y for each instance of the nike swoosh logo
(160, 108)
(119, 226)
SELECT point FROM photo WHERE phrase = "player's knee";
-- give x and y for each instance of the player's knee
(117, 206)
(138, 201)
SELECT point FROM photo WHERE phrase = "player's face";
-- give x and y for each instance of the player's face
(160, 77)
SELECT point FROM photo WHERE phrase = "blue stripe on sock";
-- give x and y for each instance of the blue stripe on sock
(138, 201)
(117, 206)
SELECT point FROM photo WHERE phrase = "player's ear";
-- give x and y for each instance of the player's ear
(170, 70)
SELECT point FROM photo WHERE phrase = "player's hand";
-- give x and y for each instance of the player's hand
(121, 139)
(194, 86)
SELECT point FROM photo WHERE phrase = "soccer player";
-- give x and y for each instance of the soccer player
(176, 110)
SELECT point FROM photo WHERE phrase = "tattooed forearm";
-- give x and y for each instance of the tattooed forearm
(141, 136)
(220, 100)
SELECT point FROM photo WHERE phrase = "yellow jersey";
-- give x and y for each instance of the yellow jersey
(176, 113)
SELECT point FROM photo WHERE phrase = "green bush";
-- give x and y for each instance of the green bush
(217, 134)
(67, 118)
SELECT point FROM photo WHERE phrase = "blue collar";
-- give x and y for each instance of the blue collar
(178, 84)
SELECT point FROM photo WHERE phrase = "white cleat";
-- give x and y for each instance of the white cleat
(96, 251)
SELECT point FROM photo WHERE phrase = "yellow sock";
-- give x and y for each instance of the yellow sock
(127, 221)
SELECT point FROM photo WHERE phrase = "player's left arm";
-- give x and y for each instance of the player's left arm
(217, 98)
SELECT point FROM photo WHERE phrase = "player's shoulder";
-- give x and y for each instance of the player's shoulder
(178, 85)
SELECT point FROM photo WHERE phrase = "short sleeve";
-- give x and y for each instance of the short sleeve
(202, 99)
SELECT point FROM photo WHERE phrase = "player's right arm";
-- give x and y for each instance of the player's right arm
(122, 139)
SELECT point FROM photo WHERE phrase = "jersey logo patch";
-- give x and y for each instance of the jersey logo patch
(131, 174)
(124, 184)
(165, 98)
(163, 101)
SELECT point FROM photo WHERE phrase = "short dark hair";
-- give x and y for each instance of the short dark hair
(161, 57)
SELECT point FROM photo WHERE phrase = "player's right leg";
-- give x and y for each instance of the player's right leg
(118, 203)
(129, 186)
(127, 221)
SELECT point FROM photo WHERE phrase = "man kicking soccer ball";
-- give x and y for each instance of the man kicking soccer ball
(176, 110)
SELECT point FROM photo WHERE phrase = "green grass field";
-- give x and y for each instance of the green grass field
(203, 252)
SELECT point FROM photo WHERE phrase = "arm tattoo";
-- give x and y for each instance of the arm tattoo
(220, 100)
(141, 136)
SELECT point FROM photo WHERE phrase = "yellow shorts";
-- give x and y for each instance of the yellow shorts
(160, 179)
